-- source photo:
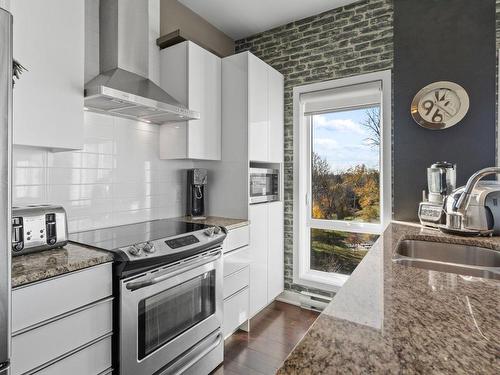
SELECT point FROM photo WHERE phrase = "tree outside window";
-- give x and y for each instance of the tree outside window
(345, 185)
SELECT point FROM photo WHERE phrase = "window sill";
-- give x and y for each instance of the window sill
(321, 280)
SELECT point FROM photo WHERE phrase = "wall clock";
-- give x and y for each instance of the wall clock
(440, 105)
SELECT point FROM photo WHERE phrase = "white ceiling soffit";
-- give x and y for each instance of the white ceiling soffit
(241, 18)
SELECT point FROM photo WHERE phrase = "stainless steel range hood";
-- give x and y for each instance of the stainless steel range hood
(122, 89)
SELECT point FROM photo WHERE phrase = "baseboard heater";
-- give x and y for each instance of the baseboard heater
(313, 301)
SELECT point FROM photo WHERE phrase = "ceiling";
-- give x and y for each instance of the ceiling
(241, 18)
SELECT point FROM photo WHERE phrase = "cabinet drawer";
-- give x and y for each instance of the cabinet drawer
(92, 360)
(237, 238)
(236, 260)
(50, 341)
(35, 303)
(236, 281)
(235, 312)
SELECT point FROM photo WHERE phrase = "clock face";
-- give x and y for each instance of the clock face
(440, 105)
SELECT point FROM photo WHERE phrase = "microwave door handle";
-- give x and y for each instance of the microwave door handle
(132, 286)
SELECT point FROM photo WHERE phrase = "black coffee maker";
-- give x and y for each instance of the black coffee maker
(197, 192)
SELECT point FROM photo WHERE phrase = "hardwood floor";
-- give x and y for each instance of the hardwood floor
(274, 332)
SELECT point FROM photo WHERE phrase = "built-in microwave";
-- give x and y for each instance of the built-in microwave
(264, 185)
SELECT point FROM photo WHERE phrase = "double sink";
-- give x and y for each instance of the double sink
(461, 259)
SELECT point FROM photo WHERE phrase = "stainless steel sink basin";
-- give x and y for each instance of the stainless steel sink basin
(453, 258)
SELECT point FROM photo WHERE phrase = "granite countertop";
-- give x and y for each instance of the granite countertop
(49, 263)
(225, 222)
(389, 318)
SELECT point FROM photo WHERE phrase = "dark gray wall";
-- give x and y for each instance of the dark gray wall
(437, 40)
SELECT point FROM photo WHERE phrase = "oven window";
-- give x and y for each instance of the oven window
(166, 315)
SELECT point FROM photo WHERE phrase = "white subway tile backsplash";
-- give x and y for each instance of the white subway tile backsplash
(29, 157)
(79, 176)
(80, 160)
(29, 194)
(29, 176)
(132, 216)
(116, 179)
(87, 207)
(98, 146)
(78, 224)
(58, 193)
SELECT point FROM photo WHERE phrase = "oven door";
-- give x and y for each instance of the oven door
(264, 185)
(165, 313)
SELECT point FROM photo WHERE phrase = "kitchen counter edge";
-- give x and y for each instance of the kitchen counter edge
(226, 222)
(46, 264)
(390, 318)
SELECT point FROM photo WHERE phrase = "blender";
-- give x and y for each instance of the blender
(441, 181)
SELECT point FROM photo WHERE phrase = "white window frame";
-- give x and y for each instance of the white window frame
(498, 112)
(302, 274)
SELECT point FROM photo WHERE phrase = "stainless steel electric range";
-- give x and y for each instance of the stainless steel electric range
(168, 279)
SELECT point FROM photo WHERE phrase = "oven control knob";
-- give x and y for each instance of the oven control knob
(135, 250)
(217, 229)
(209, 232)
(149, 247)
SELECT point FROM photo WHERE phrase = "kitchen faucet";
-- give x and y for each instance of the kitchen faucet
(458, 219)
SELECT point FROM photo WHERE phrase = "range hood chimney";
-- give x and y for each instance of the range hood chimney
(122, 88)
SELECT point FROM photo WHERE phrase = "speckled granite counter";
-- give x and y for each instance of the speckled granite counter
(389, 318)
(228, 223)
(44, 264)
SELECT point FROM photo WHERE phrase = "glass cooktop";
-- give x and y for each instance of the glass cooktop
(113, 238)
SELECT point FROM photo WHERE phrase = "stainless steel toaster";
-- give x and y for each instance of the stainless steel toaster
(38, 227)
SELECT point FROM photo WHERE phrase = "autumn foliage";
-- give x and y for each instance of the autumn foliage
(353, 194)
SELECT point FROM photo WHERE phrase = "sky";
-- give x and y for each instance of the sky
(341, 139)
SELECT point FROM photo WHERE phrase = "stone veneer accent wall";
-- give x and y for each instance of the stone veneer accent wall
(498, 23)
(346, 41)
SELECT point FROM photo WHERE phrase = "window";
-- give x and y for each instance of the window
(342, 175)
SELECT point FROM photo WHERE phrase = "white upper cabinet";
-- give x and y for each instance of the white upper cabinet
(276, 113)
(265, 112)
(192, 75)
(48, 99)
(258, 109)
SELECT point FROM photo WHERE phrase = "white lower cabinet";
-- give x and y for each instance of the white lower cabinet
(41, 345)
(237, 238)
(61, 322)
(38, 302)
(267, 254)
(94, 359)
(236, 280)
(235, 312)
(259, 233)
(236, 260)
(276, 252)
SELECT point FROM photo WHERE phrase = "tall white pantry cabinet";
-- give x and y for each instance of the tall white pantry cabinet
(253, 94)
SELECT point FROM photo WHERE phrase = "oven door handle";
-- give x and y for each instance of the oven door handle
(192, 356)
(155, 280)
